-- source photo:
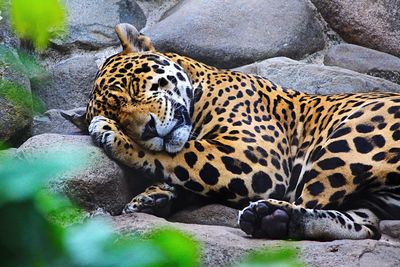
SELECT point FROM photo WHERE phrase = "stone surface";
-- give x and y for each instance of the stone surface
(364, 60)
(69, 83)
(155, 10)
(53, 122)
(317, 79)
(373, 24)
(213, 214)
(391, 228)
(234, 34)
(225, 245)
(15, 117)
(100, 183)
(91, 22)
(6, 36)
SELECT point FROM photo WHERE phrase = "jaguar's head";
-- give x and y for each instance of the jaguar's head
(145, 92)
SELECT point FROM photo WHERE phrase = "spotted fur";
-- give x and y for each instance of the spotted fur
(318, 166)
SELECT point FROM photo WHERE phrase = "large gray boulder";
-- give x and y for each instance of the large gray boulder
(373, 24)
(91, 22)
(224, 245)
(99, 183)
(364, 60)
(239, 32)
(317, 79)
(68, 84)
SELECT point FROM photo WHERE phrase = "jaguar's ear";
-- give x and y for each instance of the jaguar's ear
(131, 40)
(77, 117)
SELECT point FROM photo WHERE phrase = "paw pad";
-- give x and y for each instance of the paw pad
(261, 219)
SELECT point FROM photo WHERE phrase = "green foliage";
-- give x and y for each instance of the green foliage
(32, 237)
(38, 20)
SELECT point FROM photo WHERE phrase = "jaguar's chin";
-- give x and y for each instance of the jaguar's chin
(175, 141)
(171, 143)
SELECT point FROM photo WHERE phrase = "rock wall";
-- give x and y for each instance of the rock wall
(314, 46)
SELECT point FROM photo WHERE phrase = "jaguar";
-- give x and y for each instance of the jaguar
(300, 166)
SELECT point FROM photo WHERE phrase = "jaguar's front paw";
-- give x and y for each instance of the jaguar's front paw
(265, 218)
(102, 132)
(156, 200)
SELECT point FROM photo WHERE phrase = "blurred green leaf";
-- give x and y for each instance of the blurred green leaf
(38, 20)
(179, 248)
(272, 257)
(23, 179)
(59, 209)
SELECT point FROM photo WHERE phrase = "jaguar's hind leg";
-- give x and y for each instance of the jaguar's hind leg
(281, 220)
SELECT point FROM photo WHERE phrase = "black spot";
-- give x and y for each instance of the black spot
(251, 156)
(395, 126)
(181, 173)
(180, 76)
(377, 107)
(268, 138)
(378, 140)
(364, 128)
(159, 169)
(141, 154)
(279, 192)
(128, 66)
(331, 163)
(337, 180)
(341, 220)
(195, 186)
(356, 115)
(261, 182)
(341, 132)
(276, 163)
(337, 196)
(294, 178)
(358, 169)
(235, 166)
(209, 174)
(378, 119)
(394, 109)
(144, 68)
(162, 82)
(379, 156)
(396, 135)
(315, 188)
(311, 204)
(361, 214)
(362, 145)
(339, 146)
(172, 79)
(198, 146)
(191, 158)
(237, 186)
(358, 227)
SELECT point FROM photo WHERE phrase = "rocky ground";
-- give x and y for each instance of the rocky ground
(315, 46)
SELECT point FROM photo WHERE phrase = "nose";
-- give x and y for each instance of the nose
(150, 129)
